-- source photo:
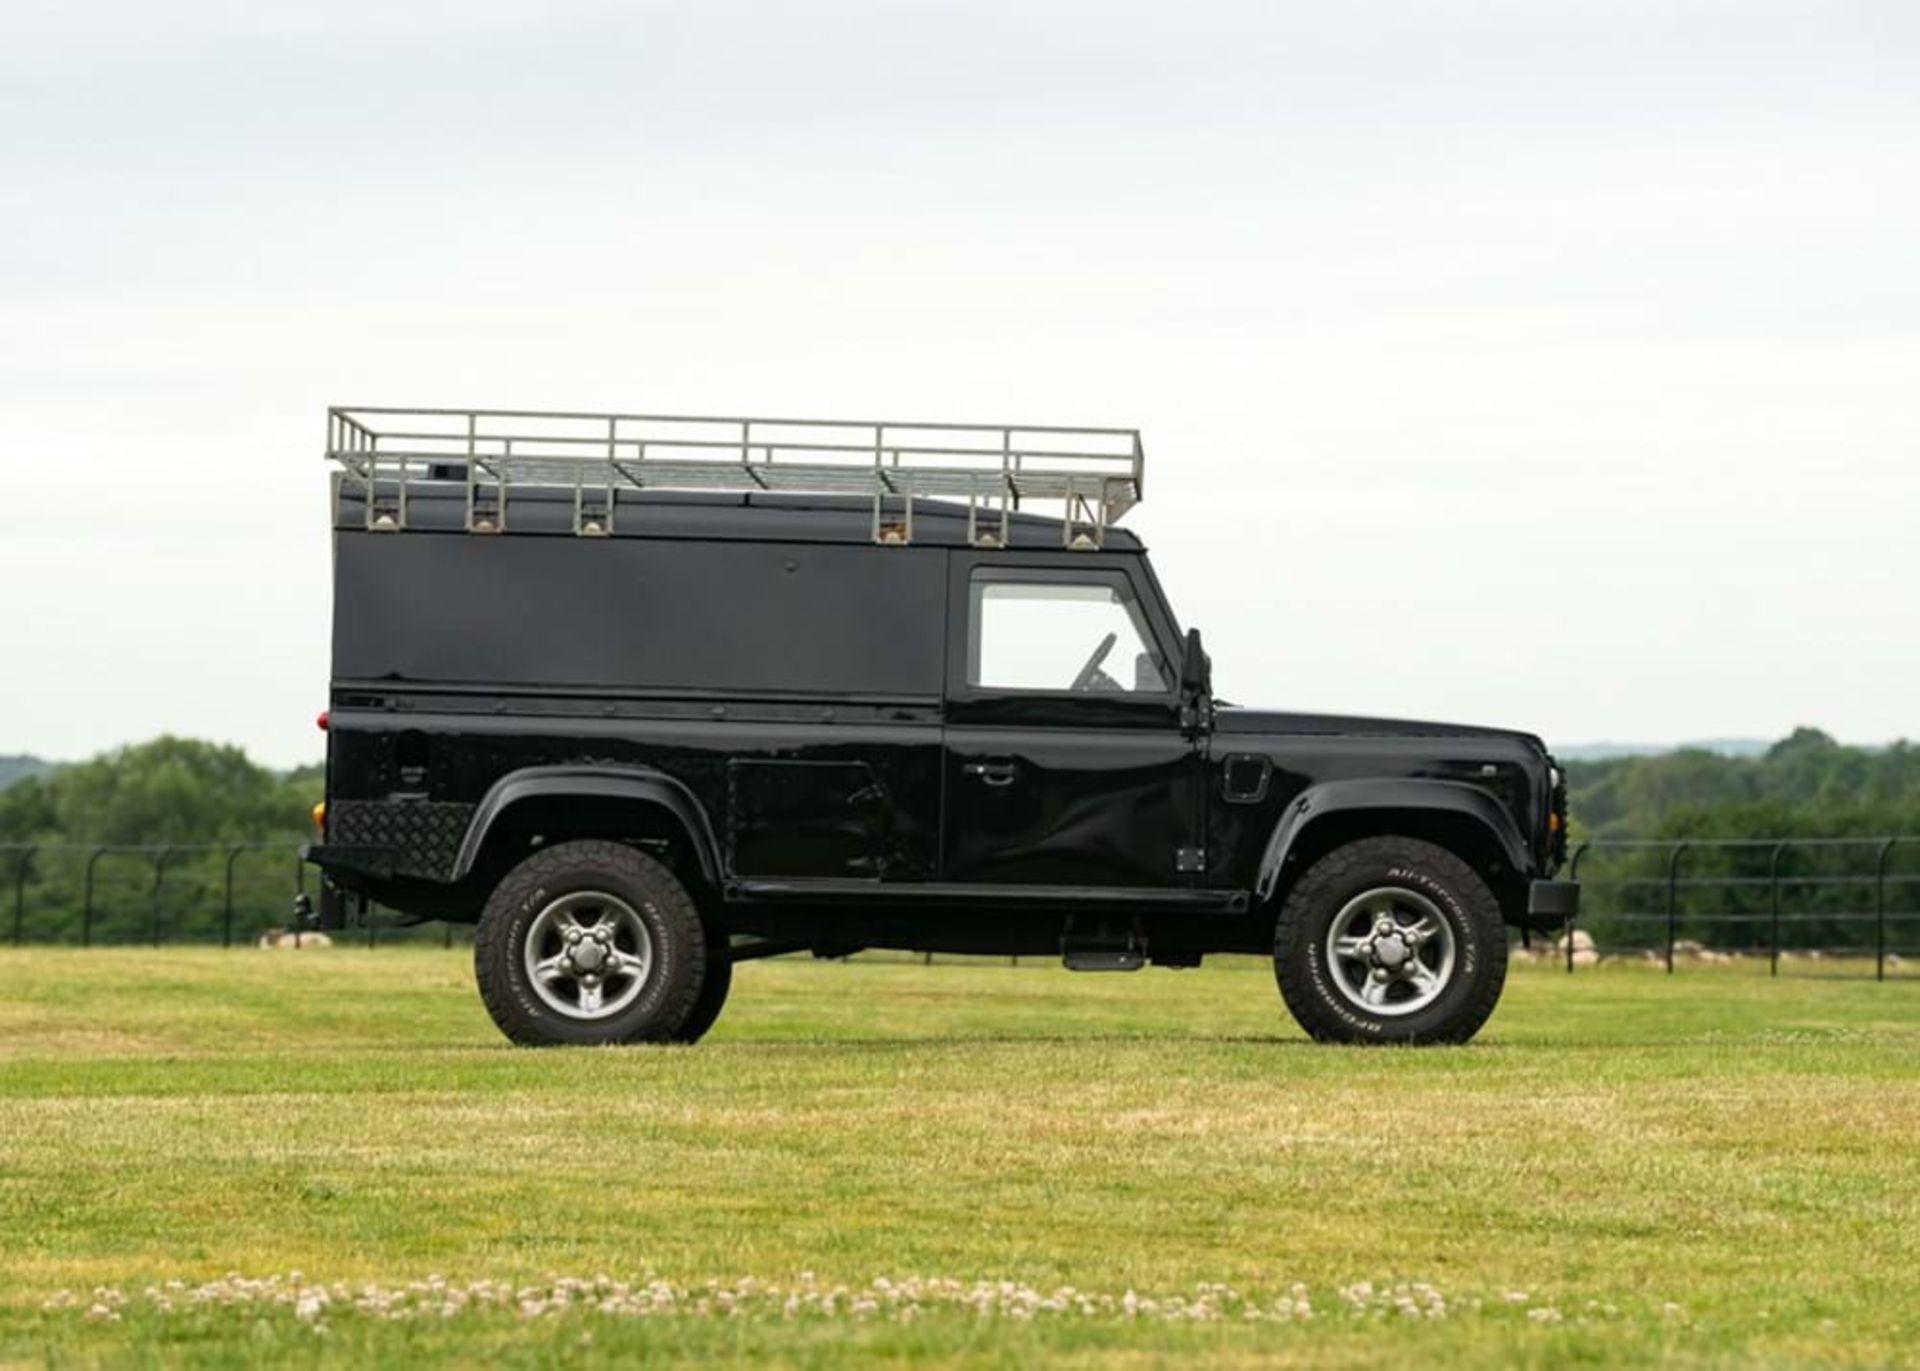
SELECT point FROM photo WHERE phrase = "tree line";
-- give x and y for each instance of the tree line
(1806, 785)
(170, 790)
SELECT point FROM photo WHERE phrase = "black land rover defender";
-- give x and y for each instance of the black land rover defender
(644, 697)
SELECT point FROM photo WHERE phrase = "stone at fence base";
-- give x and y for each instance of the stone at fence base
(281, 937)
(1584, 952)
(1693, 950)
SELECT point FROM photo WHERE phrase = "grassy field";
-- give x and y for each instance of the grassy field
(971, 1164)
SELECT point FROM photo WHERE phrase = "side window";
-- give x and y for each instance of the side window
(1085, 636)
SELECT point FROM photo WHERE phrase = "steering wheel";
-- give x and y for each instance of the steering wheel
(1084, 681)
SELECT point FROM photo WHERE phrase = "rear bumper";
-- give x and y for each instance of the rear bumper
(354, 877)
(346, 875)
(1552, 903)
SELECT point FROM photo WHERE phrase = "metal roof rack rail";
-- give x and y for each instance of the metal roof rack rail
(1095, 474)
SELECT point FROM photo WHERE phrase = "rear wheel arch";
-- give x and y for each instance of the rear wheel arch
(539, 807)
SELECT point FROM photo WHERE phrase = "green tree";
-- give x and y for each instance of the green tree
(201, 800)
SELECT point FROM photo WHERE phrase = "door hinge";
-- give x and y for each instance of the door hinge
(1187, 860)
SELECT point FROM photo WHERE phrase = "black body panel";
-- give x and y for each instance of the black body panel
(495, 618)
(1070, 803)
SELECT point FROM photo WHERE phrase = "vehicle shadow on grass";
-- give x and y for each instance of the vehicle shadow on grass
(959, 1040)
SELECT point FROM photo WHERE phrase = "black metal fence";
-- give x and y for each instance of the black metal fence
(197, 893)
(1781, 899)
(1776, 898)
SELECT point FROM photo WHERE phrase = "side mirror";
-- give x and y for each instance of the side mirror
(1196, 671)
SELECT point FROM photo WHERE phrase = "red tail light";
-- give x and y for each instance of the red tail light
(320, 721)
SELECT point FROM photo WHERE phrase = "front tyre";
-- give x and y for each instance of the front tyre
(588, 943)
(1390, 940)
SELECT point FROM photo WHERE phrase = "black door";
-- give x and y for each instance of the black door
(1065, 762)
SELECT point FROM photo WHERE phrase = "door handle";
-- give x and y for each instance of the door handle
(994, 773)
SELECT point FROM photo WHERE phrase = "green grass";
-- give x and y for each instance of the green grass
(1709, 1169)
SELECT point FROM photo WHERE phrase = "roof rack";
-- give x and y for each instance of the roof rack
(1095, 474)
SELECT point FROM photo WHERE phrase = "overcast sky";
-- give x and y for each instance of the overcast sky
(1542, 364)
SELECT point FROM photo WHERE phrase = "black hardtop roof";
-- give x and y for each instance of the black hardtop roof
(439, 506)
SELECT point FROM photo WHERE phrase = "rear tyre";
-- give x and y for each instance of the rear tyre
(588, 943)
(1390, 940)
(713, 991)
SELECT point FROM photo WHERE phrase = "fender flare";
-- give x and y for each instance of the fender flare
(1385, 793)
(640, 783)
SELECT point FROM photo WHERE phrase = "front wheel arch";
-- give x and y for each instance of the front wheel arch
(1460, 833)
